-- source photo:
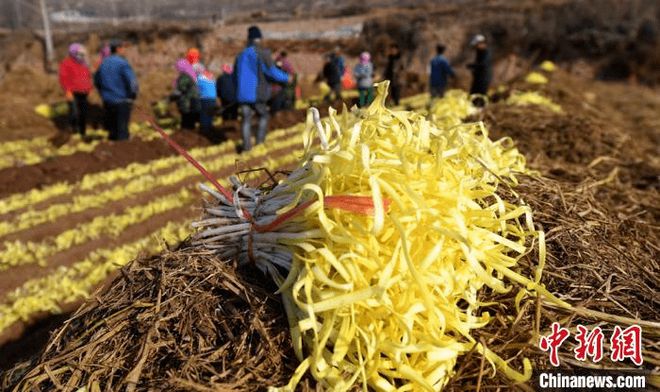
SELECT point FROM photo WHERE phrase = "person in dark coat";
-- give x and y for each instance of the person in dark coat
(254, 72)
(441, 71)
(226, 88)
(332, 75)
(394, 72)
(118, 87)
(482, 69)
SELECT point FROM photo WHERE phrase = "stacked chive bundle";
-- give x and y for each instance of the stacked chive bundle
(374, 292)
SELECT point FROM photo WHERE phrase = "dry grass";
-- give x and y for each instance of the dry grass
(183, 320)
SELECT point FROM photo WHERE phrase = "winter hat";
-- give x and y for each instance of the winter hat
(365, 57)
(479, 38)
(114, 44)
(192, 55)
(254, 33)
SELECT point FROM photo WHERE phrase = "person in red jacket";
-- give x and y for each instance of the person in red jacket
(76, 81)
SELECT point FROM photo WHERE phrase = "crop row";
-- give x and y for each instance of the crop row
(139, 178)
(73, 282)
(35, 150)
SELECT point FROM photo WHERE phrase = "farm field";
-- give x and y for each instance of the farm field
(62, 241)
(433, 245)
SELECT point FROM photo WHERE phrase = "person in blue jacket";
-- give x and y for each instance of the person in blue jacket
(254, 72)
(118, 87)
(208, 96)
(440, 72)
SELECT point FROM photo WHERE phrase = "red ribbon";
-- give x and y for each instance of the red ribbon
(363, 205)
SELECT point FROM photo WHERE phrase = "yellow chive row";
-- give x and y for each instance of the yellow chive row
(14, 146)
(32, 151)
(20, 253)
(91, 181)
(17, 253)
(71, 283)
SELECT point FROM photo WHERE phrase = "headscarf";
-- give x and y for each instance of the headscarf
(227, 68)
(365, 58)
(183, 66)
(77, 52)
(192, 55)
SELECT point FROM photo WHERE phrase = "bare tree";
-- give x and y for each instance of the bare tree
(48, 35)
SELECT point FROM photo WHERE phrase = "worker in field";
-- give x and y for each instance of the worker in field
(339, 60)
(207, 97)
(226, 91)
(440, 73)
(482, 69)
(364, 77)
(76, 81)
(254, 72)
(186, 94)
(394, 72)
(332, 76)
(287, 92)
(118, 87)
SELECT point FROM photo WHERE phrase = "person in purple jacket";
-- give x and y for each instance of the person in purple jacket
(254, 71)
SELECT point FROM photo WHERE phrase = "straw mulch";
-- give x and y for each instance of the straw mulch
(602, 258)
(597, 199)
(183, 320)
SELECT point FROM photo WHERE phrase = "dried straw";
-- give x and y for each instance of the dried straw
(184, 320)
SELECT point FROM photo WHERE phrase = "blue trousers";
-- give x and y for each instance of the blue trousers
(247, 111)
